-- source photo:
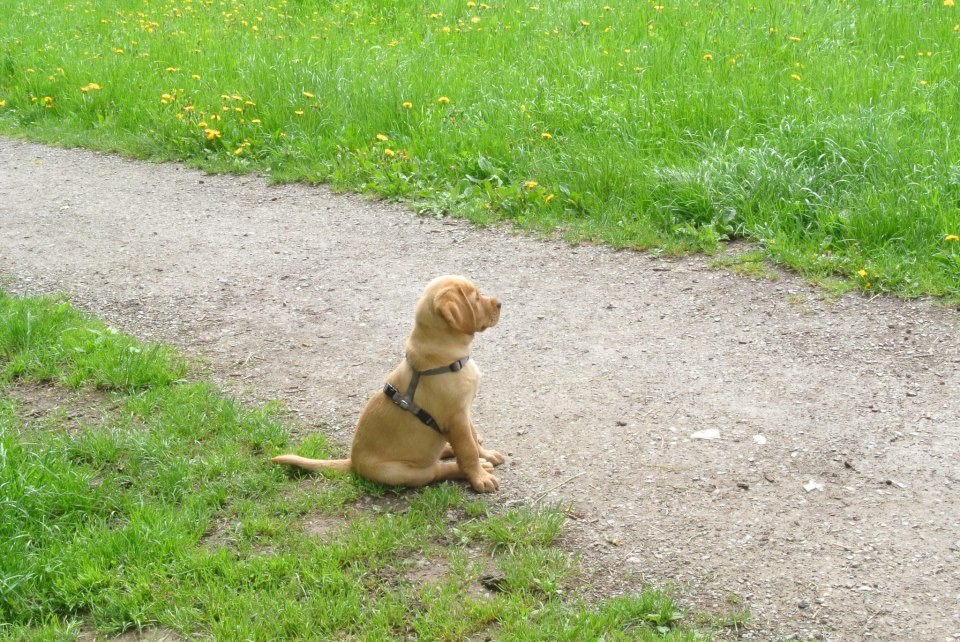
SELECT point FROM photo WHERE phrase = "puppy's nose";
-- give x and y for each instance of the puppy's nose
(498, 305)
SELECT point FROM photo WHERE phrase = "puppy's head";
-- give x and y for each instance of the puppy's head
(456, 303)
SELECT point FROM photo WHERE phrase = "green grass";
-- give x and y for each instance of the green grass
(823, 131)
(133, 496)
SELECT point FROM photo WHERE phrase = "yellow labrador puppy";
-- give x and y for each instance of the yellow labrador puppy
(422, 414)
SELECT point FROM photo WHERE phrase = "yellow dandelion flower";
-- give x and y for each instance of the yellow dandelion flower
(548, 198)
(407, 105)
(708, 56)
(3, 103)
(48, 99)
(530, 184)
(255, 121)
(443, 100)
(773, 30)
(475, 19)
(658, 7)
(389, 152)
(862, 273)
(238, 151)
(212, 134)
(948, 237)
(195, 76)
(299, 112)
(795, 38)
(584, 23)
(383, 138)
(202, 123)
(948, 3)
(546, 135)
(795, 76)
(471, 4)
(923, 83)
(172, 69)
(307, 94)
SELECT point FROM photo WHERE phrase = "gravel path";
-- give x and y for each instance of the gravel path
(738, 439)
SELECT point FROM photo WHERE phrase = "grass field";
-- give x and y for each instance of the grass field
(824, 131)
(135, 496)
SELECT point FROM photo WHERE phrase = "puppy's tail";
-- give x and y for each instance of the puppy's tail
(341, 465)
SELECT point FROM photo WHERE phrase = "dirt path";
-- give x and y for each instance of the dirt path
(602, 371)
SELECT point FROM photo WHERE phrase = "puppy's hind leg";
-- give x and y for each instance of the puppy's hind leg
(492, 456)
(398, 473)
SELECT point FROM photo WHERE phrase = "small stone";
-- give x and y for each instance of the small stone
(496, 583)
(709, 433)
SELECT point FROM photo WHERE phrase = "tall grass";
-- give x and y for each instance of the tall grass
(825, 130)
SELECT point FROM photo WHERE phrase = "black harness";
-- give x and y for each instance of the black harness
(405, 401)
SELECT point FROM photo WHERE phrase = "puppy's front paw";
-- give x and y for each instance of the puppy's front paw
(492, 456)
(484, 482)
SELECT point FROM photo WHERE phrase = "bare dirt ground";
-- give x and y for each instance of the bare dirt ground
(828, 501)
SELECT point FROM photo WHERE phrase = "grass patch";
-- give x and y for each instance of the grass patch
(820, 130)
(157, 508)
(752, 264)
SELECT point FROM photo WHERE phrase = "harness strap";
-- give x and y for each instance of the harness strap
(405, 401)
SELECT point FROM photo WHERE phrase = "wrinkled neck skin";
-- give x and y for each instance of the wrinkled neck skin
(433, 345)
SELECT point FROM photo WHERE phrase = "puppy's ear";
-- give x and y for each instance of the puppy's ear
(454, 308)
